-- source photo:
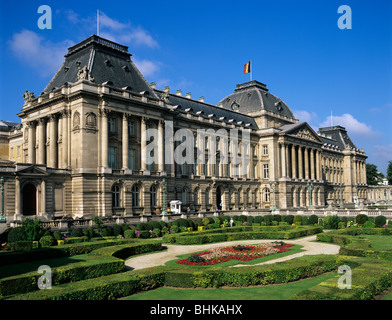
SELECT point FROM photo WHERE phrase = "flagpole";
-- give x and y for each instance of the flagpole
(97, 22)
(251, 68)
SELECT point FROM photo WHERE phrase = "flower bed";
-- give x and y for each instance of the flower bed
(239, 252)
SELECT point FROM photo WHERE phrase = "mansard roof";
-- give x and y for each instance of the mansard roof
(336, 135)
(104, 61)
(208, 109)
(254, 96)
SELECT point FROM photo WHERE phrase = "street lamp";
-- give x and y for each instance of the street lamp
(273, 185)
(2, 218)
(310, 188)
(164, 212)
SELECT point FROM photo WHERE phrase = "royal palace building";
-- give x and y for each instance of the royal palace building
(101, 141)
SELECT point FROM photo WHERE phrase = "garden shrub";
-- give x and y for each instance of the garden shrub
(174, 229)
(57, 235)
(156, 232)
(89, 232)
(313, 219)
(46, 241)
(15, 234)
(277, 217)
(129, 233)
(305, 220)
(297, 220)
(22, 245)
(361, 219)
(331, 222)
(268, 219)
(380, 221)
(369, 224)
(117, 230)
(258, 219)
(341, 225)
(242, 218)
(163, 224)
(77, 232)
(249, 219)
(206, 221)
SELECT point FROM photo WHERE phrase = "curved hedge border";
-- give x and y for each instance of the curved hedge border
(11, 257)
(127, 283)
(240, 233)
(101, 262)
(354, 246)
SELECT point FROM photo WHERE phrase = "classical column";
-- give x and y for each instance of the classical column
(312, 167)
(306, 163)
(293, 162)
(64, 142)
(160, 146)
(43, 196)
(31, 142)
(17, 196)
(104, 138)
(41, 141)
(300, 163)
(143, 144)
(283, 160)
(318, 165)
(125, 141)
(52, 161)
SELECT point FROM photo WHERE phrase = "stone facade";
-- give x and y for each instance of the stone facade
(83, 147)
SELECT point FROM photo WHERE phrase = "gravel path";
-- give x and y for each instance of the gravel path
(159, 258)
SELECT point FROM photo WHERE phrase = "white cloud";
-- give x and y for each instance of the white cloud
(146, 67)
(34, 50)
(352, 125)
(305, 116)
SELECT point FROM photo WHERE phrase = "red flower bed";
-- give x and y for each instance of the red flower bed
(241, 253)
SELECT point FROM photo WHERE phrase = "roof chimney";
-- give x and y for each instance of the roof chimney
(201, 99)
(153, 85)
(166, 89)
(188, 95)
(179, 93)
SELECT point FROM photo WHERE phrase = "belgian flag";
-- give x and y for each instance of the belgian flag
(247, 68)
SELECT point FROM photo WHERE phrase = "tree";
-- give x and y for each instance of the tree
(389, 172)
(372, 174)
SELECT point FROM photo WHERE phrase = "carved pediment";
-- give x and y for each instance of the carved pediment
(32, 170)
(304, 132)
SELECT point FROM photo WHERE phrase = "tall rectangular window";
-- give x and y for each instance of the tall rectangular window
(131, 128)
(112, 157)
(112, 125)
(265, 150)
(265, 171)
(132, 159)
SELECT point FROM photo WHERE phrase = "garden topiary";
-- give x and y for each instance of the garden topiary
(289, 219)
(46, 241)
(117, 230)
(258, 219)
(313, 219)
(298, 220)
(206, 221)
(380, 221)
(369, 224)
(57, 235)
(250, 219)
(156, 232)
(15, 234)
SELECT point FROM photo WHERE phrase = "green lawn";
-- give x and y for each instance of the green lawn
(273, 292)
(20, 268)
(295, 249)
(383, 242)
(388, 296)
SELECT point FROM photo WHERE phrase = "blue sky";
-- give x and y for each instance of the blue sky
(201, 47)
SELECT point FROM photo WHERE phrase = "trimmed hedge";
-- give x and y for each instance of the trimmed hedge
(354, 246)
(7, 258)
(369, 280)
(240, 233)
(101, 262)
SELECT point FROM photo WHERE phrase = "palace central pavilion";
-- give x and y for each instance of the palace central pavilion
(79, 150)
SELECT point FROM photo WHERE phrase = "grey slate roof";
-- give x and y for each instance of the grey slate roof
(105, 60)
(254, 96)
(336, 135)
(8, 125)
(195, 106)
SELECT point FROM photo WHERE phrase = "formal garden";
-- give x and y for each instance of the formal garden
(93, 263)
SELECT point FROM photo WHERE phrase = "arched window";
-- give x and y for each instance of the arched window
(135, 196)
(266, 195)
(153, 197)
(116, 196)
